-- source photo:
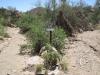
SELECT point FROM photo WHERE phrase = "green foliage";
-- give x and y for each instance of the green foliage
(25, 22)
(39, 68)
(6, 17)
(63, 64)
(1, 30)
(51, 57)
(96, 16)
(58, 38)
(34, 28)
(1, 26)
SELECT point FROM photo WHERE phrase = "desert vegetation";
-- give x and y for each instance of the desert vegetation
(64, 19)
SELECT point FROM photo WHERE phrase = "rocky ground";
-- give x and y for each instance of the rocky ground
(83, 54)
(10, 61)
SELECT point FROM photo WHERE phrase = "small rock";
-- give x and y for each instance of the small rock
(73, 66)
(43, 49)
(35, 60)
(8, 74)
(56, 72)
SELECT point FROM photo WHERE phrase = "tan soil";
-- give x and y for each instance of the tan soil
(83, 54)
(10, 61)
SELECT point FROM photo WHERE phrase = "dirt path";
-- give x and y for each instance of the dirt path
(10, 61)
(83, 54)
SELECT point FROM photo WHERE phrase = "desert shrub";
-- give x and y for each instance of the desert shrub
(39, 68)
(1, 26)
(73, 19)
(63, 64)
(96, 16)
(51, 57)
(58, 38)
(33, 26)
(35, 29)
(24, 23)
(1, 30)
(40, 38)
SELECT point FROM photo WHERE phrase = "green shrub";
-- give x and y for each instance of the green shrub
(51, 57)
(96, 16)
(63, 64)
(39, 68)
(25, 23)
(34, 28)
(1, 26)
(58, 38)
(1, 30)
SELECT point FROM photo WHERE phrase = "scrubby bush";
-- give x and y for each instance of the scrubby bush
(96, 16)
(51, 57)
(35, 29)
(25, 22)
(63, 64)
(1, 26)
(58, 38)
(39, 68)
(1, 30)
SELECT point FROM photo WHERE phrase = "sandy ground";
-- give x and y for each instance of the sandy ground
(10, 60)
(83, 54)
